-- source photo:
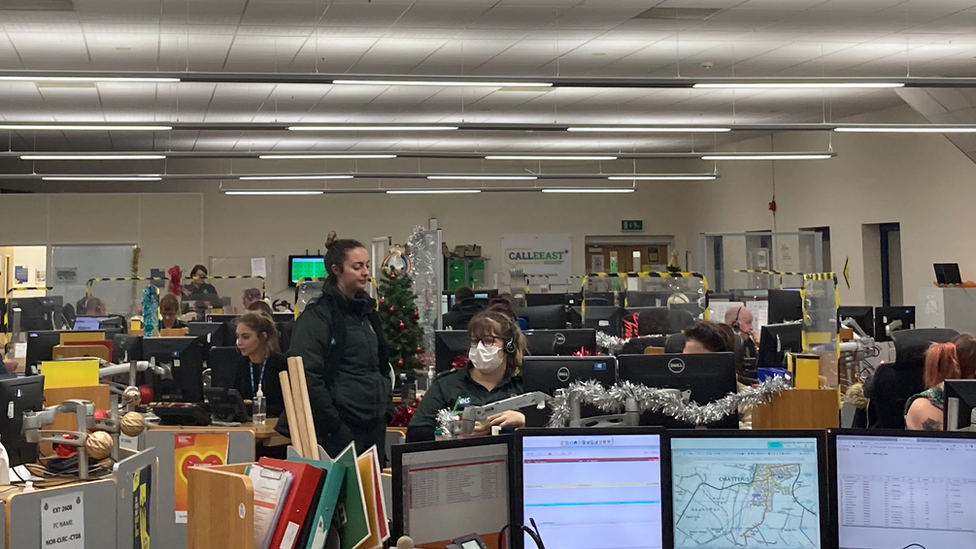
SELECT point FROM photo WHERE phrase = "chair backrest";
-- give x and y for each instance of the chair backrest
(654, 321)
(678, 320)
(675, 344)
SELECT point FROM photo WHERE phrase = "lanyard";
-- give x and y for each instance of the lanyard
(254, 391)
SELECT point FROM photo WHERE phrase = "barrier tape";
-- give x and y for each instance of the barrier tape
(769, 272)
(648, 274)
(92, 281)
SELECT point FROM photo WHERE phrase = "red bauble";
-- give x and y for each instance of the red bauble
(392, 309)
(382, 300)
(101, 414)
(416, 314)
(402, 325)
(420, 350)
(400, 362)
(64, 450)
(392, 276)
(147, 394)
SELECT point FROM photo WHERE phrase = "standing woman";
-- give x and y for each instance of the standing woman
(340, 339)
(257, 340)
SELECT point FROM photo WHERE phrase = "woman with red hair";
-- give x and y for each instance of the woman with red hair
(953, 360)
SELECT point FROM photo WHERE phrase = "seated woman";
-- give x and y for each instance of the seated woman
(200, 290)
(169, 310)
(494, 360)
(709, 337)
(260, 364)
(953, 360)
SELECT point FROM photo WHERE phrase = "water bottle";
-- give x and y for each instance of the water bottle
(260, 408)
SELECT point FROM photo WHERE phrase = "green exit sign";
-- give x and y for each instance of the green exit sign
(632, 225)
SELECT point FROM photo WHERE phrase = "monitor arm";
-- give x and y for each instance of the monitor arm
(477, 414)
(629, 418)
(84, 411)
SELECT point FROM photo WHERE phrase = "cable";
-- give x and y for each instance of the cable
(919, 545)
(531, 532)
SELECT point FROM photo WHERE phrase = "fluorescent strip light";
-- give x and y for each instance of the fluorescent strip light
(271, 193)
(458, 83)
(103, 178)
(540, 157)
(361, 128)
(88, 127)
(907, 129)
(796, 85)
(92, 156)
(812, 156)
(485, 177)
(290, 177)
(433, 191)
(89, 79)
(323, 156)
(664, 177)
(648, 129)
(569, 190)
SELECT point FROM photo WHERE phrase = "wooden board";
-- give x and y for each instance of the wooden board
(296, 437)
(220, 508)
(799, 409)
(61, 352)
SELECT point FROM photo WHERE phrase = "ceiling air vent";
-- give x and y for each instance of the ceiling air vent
(37, 5)
(679, 14)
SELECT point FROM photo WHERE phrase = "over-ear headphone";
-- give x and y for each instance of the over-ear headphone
(735, 323)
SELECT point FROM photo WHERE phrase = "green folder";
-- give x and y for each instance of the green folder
(350, 517)
(332, 485)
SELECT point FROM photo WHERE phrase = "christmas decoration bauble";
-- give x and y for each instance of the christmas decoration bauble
(402, 325)
(392, 309)
(131, 396)
(132, 424)
(382, 300)
(416, 314)
(64, 450)
(392, 276)
(420, 350)
(400, 362)
(147, 394)
(99, 445)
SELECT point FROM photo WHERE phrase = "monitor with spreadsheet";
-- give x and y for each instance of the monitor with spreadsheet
(592, 488)
(899, 488)
(448, 489)
(749, 489)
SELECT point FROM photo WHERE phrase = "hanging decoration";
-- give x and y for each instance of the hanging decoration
(397, 260)
(150, 310)
(404, 413)
(660, 400)
(134, 289)
(423, 256)
(460, 361)
(175, 280)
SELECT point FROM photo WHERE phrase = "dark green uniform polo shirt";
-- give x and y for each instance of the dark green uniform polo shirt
(455, 389)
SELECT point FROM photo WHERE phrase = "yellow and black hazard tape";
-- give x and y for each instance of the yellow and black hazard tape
(769, 272)
(647, 274)
(820, 276)
(92, 281)
(306, 279)
(528, 285)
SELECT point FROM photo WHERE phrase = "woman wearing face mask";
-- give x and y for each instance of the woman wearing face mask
(340, 339)
(494, 359)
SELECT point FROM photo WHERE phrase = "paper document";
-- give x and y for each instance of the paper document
(259, 266)
(270, 490)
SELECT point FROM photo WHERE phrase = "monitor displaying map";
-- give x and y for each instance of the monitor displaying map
(747, 489)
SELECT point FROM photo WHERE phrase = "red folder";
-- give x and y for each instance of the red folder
(298, 501)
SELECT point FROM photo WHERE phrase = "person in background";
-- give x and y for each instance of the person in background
(90, 306)
(9, 364)
(169, 310)
(464, 309)
(340, 338)
(502, 305)
(261, 362)
(739, 318)
(953, 360)
(199, 289)
(709, 337)
(251, 295)
(260, 306)
(492, 374)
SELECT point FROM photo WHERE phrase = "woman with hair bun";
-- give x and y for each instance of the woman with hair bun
(953, 360)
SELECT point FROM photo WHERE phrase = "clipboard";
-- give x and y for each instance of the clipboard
(271, 487)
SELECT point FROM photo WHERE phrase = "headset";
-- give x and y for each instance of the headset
(735, 323)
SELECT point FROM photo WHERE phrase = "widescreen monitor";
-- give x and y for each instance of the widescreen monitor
(549, 373)
(903, 489)
(88, 323)
(18, 395)
(449, 489)
(592, 488)
(305, 266)
(863, 315)
(776, 340)
(184, 357)
(784, 306)
(892, 319)
(560, 342)
(733, 489)
(960, 400)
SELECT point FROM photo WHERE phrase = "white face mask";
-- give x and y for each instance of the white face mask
(485, 359)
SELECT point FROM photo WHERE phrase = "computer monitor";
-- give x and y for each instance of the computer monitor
(538, 300)
(38, 313)
(223, 363)
(305, 266)
(592, 488)
(609, 320)
(599, 298)
(546, 374)
(560, 342)
(775, 340)
(960, 399)
(221, 319)
(126, 347)
(18, 395)
(214, 333)
(784, 306)
(40, 347)
(902, 489)
(448, 489)
(88, 323)
(888, 316)
(864, 316)
(544, 317)
(707, 377)
(947, 273)
(749, 489)
(448, 344)
(184, 356)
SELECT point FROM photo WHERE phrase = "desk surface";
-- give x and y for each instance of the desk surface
(261, 432)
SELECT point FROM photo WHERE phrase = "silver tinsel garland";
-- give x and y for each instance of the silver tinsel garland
(423, 271)
(612, 344)
(659, 400)
(446, 419)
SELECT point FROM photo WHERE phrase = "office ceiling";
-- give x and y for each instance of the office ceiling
(498, 38)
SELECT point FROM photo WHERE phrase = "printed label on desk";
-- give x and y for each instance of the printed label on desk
(129, 443)
(63, 521)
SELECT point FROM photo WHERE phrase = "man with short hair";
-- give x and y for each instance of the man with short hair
(740, 319)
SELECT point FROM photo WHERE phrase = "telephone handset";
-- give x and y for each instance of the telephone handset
(471, 541)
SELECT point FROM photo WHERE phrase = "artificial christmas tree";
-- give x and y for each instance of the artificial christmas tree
(398, 313)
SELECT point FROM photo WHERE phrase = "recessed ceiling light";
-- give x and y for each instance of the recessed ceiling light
(433, 191)
(361, 128)
(456, 83)
(132, 79)
(270, 192)
(324, 156)
(83, 128)
(647, 129)
(665, 177)
(907, 129)
(570, 190)
(92, 156)
(550, 157)
(475, 177)
(291, 177)
(102, 178)
(767, 156)
(796, 85)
